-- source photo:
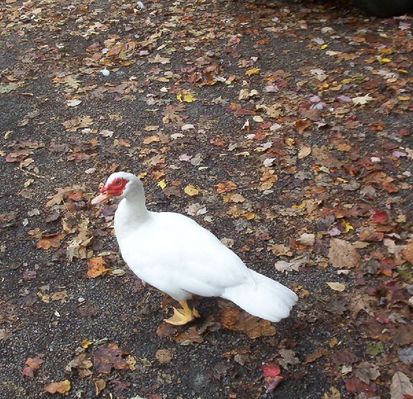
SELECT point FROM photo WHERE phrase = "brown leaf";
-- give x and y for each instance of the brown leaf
(50, 242)
(354, 385)
(312, 357)
(164, 355)
(225, 186)
(237, 320)
(366, 372)
(301, 125)
(408, 252)
(61, 387)
(82, 364)
(342, 254)
(189, 336)
(108, 357)
(32, 364)
(370, 235)
(96, 267)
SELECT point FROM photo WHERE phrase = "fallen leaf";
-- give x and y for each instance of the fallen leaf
(189, 336)
(61, 387)
(408, 252)
(304, 152)
(342, 254)
(380, 217)
(96, 267)
(288, 357)
(50, 242)
(185, 97)
(225, 186)
(302, 124)
(362, 100)
(110, 357)
(333, 393)
(307, 239)
(252, 71)
(164, 355)
(32, 364)
(337, 286)
(237, 320)
(191, 190)
(400, 387)
(271, 373)
(366, 372)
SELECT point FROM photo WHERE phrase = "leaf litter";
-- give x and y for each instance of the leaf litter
(317, 154)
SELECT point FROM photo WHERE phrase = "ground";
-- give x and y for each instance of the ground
(282, 127)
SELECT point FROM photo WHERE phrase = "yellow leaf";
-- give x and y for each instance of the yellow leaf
(142, 175)
(252, 71)
(162, 184)
(185, 97)
(96, 267)
(249, 215)
(61, 387)
(191, 190)
(337, 286)
(85, 343)
(324, 46)
(347, 227)
(383, 60)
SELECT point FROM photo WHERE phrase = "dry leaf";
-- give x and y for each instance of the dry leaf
(110, 356)
(225, 186)
(191, 190)
(50, 242)
(32, 364)
(401, 387)
(61, 387)
(304, 152)
(237, 320)
(96, 267)
(337, 286)
(164, 355)
(342, 254)
(408, 252)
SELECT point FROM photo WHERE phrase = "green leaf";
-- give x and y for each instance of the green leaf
(8, 87)
(375, 348)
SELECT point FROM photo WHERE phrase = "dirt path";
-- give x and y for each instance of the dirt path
(283, 128)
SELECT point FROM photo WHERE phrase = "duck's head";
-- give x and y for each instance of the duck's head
(118, 185)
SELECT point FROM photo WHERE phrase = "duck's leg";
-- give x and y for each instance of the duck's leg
(182, 316)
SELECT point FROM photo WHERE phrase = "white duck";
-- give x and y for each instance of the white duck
(179, 257)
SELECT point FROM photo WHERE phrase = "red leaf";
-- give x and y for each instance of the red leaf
(380, 217)
(271, 370)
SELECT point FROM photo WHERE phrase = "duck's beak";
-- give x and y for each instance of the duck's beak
(100, 198)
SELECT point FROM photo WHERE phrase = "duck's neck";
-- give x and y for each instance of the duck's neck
(131, 212)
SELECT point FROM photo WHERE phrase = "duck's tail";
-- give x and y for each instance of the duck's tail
(263, 297)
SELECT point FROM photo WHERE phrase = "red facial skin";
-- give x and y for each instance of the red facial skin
(115, 188)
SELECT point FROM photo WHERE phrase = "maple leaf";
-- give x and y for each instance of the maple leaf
(96, 267)
(110, 356)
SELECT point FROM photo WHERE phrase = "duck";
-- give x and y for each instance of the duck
(179, 257)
